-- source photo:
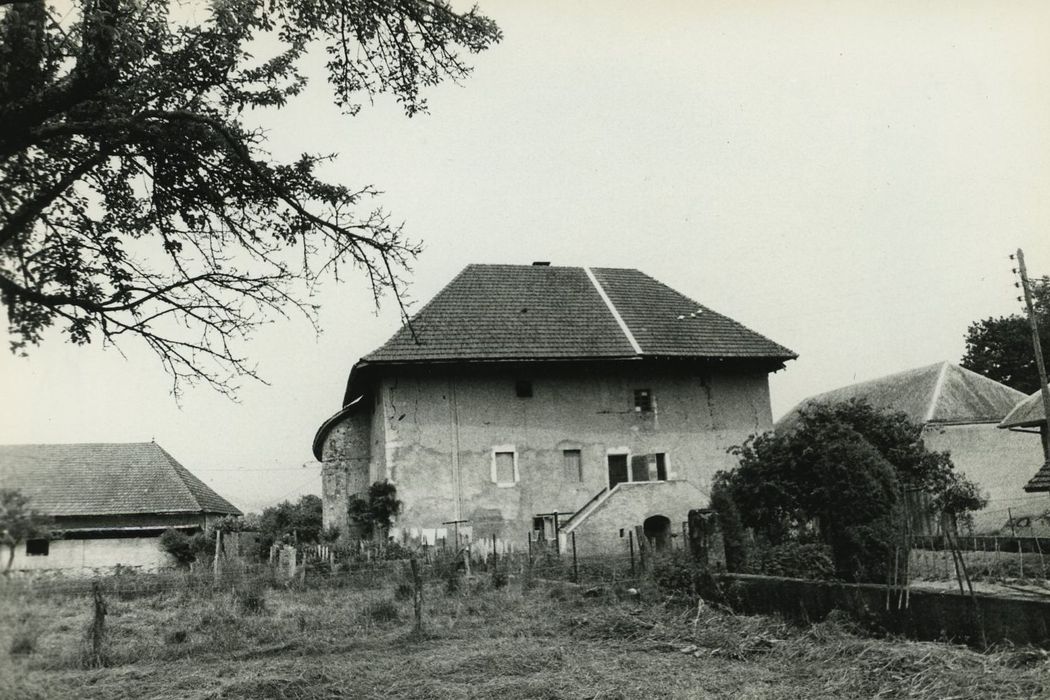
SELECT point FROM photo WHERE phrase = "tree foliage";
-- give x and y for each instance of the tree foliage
(300, 521)
(136, 199)
(19, 522)
(187, 548)
(1001, 348)
(840, 476)
(374, 514)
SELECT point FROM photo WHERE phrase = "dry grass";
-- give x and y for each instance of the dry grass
(319, 644)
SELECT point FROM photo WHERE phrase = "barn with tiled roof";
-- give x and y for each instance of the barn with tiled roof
(958, 411)
(521, 391)
(108, 502)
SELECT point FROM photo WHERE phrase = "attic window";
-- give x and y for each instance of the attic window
(523, 388)
(38, 548)
(643, 400)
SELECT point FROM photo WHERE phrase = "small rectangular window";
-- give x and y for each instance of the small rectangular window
(523, 388)
(504, 466)
(643, 400)
(639, 468)
(661, 466)
(38, 548)
(572, 465)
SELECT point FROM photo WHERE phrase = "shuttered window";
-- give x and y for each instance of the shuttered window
(572, 465)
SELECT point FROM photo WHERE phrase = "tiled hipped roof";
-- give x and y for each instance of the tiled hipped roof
(106, 479)
(938, 393)
(533, 312)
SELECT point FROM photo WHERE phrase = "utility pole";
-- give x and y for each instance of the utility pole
(1040, 365)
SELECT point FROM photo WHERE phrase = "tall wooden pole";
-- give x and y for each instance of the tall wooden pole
(1040, 365)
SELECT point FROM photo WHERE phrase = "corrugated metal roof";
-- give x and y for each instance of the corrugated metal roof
(938, 393)
(531, 312)
(106, 479)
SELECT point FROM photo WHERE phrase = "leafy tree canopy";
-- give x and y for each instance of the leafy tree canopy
(286, 521)
(19, 522)
(1001, 348)
(136, 201)
(842, 472)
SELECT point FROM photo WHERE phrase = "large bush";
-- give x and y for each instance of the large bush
(838, 477)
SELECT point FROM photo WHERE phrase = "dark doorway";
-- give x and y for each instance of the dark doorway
(617, 470)
(658, 531)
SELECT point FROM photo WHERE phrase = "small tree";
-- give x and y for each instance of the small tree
(301, 521)
(1001, 348)
(19, 522)
(374, 515)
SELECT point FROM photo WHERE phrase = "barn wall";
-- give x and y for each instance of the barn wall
(434, 435)
(81, 556)
(1000, 461)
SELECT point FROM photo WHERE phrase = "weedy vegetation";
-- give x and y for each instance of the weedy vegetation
(485, 638)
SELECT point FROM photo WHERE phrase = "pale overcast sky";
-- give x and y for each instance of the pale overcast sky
(847, 178)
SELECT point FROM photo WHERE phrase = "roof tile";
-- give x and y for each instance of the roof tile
(106, 479)
(529, 312)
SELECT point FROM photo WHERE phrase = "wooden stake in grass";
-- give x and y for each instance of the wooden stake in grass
(97, 631)
(417, 597)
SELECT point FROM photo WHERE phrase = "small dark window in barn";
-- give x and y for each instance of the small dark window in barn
(643, 400)
(523, 388)
(38, 548)
(572, 465)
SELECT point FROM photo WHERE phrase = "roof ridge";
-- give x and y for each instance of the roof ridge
(612, 309)
(173, 463)
(935, 396)
(185, 477)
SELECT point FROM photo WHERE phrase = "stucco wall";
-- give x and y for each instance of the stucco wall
(1000, 461)
(628, 506)
(79, 556)
(433, 435)
(345, 465)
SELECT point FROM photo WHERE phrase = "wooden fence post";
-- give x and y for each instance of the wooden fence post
(97, 631)
(417, 596)
(630, 544)
(575, 568)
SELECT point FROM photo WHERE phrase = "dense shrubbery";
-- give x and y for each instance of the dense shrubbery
(186, 549)
(838, 477)
(794, 559)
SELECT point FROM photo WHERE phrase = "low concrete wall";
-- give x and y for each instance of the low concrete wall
(930, 615)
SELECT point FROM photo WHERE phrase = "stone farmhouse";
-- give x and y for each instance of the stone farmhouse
(959, 412)
(109, 503)
(528, 400)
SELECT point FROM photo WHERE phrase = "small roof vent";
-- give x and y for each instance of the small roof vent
(542, 263)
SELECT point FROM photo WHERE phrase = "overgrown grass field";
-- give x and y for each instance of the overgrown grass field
(551, 641)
